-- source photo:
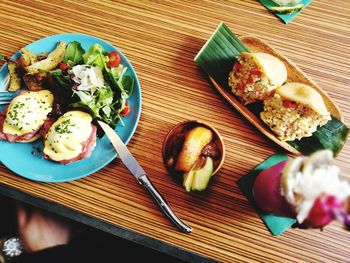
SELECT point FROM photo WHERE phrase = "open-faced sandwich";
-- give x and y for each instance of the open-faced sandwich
(71, 138)
(24, 118)
(295, 111)
(255, 75)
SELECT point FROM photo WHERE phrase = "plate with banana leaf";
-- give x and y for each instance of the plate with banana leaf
(272, 93)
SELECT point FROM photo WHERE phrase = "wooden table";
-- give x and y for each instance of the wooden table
(161, 39)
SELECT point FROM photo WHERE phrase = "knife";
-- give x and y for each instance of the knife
(141, 176)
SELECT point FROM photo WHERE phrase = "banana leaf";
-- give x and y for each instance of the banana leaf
(216, 57)
(331, 136)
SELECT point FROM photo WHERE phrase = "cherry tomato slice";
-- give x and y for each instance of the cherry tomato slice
(126, 110)
(63, 66)
(114, 59)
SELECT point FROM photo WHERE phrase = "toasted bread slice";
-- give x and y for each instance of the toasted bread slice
(273, 68)
(303, 94)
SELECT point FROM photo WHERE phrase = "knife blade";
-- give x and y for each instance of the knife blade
(137, 171)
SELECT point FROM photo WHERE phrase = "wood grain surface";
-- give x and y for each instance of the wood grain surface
(161, 39)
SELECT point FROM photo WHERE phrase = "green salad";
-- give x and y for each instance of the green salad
(94, 80)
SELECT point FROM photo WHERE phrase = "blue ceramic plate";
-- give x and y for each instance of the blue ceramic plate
(25, 159)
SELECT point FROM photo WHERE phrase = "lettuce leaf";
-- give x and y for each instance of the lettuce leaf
(73, 54)
(115, 77)
(95, 56)
(126, 83)
(101, 104)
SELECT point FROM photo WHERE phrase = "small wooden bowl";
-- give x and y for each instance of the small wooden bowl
(175, 138)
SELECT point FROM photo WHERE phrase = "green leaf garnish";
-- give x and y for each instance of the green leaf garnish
(95, 56)
(216, 57)
(127, 84)
(73, 54)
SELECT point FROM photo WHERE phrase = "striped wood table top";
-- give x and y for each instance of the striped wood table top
(161, 39)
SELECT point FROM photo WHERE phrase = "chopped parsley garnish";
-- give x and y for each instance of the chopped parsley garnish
(62, 128)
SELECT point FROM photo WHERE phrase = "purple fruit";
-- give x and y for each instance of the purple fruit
(267, 192)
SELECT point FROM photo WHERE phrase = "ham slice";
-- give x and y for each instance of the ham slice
(27, 137)
(2, 120)
(88, 146)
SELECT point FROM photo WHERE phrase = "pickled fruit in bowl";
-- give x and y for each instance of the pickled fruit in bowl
(194, 152)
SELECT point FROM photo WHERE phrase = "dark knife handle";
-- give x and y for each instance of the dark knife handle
(163, 204)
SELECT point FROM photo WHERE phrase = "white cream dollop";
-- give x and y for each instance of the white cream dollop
(90, 77)
(304, 179)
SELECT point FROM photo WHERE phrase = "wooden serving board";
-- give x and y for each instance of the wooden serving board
(294, 75)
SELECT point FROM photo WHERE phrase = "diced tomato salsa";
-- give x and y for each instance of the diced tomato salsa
(289, 104)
